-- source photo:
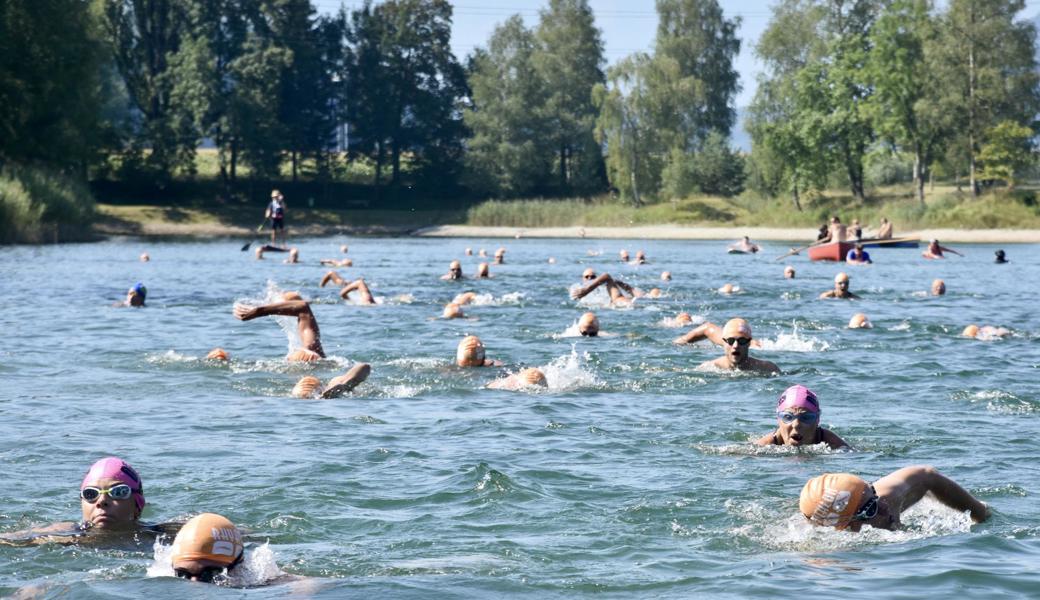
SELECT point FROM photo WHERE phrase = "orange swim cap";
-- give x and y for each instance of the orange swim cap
(859, 321)
(208, 537)
(292, 296)
(306, 387)
(303, 355)
(831, 499)
(482, 270)
(938, 287)
(470, 352)
(532, 376)
(726, 289)
(683, 318)
(654, 293)
(970, 331)
(217, 354)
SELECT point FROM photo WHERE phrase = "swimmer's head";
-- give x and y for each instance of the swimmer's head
(470, 352)
(455, 269)
(859, 321)
(306, 387)
(343, 248)
(727, 288)
(145, 257)
(789, 272)
(303, 355)
(552, 261)
(841, 277)
(938, 287)
(532, 377)
(259, 252)
(654, 293)
(217, 354)
(736, 328)
(666, 275)
(482, 270)
(683, 318)
(500, 256)
(291, 295)
(482, 253)
(836, 500)
(469, 251)
(294, 255)
(1000, 256)
(136, 295)
(970, 331)
(452, 311)
(798, 396)
(588, 274)
(103, 506)
(640, 256)
(588, 325)
(623, 254)
(205, 546)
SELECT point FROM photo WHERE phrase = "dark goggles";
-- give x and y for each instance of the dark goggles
(869, 509)
(206, 575)
(740, 341)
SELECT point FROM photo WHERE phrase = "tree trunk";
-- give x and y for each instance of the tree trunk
(395, 162)
(295, 157)
(563, 167)
(971, 109)
(919, 174)
(794, 194)
(234, 159)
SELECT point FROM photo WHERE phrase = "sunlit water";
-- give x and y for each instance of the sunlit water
(630, 475)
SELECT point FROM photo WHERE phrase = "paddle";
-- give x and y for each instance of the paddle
(259, 228)
(793, 251)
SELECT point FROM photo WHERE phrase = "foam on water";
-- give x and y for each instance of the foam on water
(570, 372)
(258, 566)
(793, 342)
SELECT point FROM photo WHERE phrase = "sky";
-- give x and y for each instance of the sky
(628, 26)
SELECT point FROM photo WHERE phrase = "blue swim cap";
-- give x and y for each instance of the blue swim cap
(140, 290)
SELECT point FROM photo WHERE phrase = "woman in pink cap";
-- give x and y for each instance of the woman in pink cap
(798, 422)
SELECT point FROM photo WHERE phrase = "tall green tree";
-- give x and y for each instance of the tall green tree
(569, 60)
(1008, 152)
(508, 153)
(50, 62)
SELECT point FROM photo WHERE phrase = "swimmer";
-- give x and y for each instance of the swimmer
(654, 293)
(207, 546)
(552, 261)
(588, 325)
(500, 256)
(336, 262)
(135, 296)
(615, 287)
(640, 258)
(736, 339)
(841, 288)
(145, 257)
(469, 251)
(343, 248)
(292, 306)
(259, 253)
(1001, 258)
(217, 354)
(333, 277)
(588, 275)
(845, 501)
(788, 272)
(452, 311)
(454, 271)
(666, 275)
(858, 256)
(361, 287)
(294, 257)
(860, 321)
(986, 332)
(798, 422)
(526, 378)
(308, 386)
(683, 318)
(705, 331)
(745, 245)
(938, 287)
(482, 253)
(471, 353)
(464, 298)
(623, 255)
(935, 251)
(728, 288)
(482, 271)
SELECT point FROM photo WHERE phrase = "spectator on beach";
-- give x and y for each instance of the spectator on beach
(835, 232)
(845, 501)
(745, 245)
(856, 230)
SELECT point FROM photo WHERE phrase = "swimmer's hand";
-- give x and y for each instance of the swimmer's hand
(243, 312)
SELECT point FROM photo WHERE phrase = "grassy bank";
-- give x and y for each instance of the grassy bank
(945, 207)
(37, 205)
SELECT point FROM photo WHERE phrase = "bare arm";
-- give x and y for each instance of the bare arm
(331, 276)
(833, 440)
(908, 485)
(766, 440)
(827, 294)
(707, 330)
(348, 381)
(289, 308)
(945, 249)
(585, 291)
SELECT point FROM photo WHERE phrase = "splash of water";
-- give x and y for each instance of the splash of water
(793, 342)
(258, 566)
(569, 372)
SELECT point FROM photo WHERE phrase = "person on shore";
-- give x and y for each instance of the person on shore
(306, 325)
(860, 321)
(736, 340)
(856, 230)
(986, 332)
(935, 251)
(845, 501)
(483, 271)
(788, 272)
(1001, 258)
(276, 213)
(745, 245)
(454, 271)
(841, 288)
(707, 331)
(500, 256)
(798, 422)
(525, 379)
(588, 325)
(207, 546)
(471, 353)
(136, 295)
(885, 231)
(938, 287)
(858, 256)
(615, 287)
(308, 386)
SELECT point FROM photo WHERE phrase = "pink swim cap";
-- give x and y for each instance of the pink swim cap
(116, 468)
(798, 396)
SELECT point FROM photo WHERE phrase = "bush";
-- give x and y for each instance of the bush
(37, 205)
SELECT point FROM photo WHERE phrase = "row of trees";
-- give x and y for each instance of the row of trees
(949, 88)
(273, 83)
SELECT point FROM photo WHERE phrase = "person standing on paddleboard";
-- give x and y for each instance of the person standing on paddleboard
(276, 214)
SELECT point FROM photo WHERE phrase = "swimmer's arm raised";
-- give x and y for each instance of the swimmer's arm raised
(585, 291)
(912, 483)
(348, 381)
(703, 331)
(289, 308)
(331, 276)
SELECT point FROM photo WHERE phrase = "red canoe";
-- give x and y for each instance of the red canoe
(835, 251)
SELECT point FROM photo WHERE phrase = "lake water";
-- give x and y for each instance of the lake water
(632, 475)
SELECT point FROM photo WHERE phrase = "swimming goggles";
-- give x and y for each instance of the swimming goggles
(740, 341)
(206, 575)
(869, 509)
(805, 417)
(116, 492)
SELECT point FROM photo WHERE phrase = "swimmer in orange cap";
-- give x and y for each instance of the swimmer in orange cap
(938, 287)
(683, 318)
(308, 385)
(705, 331)
(615, 287)
(736, 340)
(482, 271)
(454, 272)
(207, 546)
(728, 288)
(471, 353)
(841, 288)
(217, 354)
(986, 332)
(500, 256)
(588, 325)
(845, 501)
(798, 422)
(788, 272)
(526, 378)
(306, 324)
(452, 311)
(859, 321)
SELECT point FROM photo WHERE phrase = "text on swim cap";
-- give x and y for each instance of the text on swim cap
(831, 505)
